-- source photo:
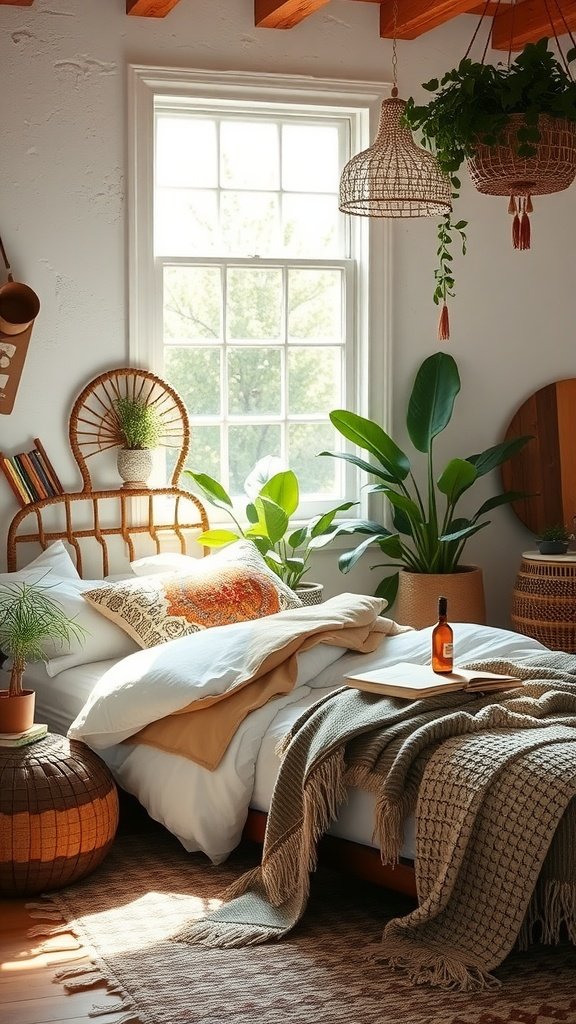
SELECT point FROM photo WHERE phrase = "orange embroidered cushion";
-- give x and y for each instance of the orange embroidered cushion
(155, 609)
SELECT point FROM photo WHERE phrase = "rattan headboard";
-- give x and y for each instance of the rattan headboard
(144, 520)
(118, 524)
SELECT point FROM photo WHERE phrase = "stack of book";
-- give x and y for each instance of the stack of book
(31, 475)
(22, 739)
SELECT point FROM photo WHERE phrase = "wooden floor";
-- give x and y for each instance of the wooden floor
(28, 992)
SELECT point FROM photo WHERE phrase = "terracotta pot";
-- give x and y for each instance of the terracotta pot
(16, 713)
(417, 601)
(134, 466)
(310, 593)
(19, 307)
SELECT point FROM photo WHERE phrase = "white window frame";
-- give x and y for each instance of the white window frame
(370, 392)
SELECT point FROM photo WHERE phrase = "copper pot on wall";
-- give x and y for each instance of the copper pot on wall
(19, 304)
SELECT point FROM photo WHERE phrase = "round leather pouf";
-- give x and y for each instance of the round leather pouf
(58, 814)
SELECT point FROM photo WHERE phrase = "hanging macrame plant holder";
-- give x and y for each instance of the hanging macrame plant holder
(498, 170)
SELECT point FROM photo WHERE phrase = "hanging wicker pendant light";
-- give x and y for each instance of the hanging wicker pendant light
(394, 177)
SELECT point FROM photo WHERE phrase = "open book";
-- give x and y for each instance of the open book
(414, 681)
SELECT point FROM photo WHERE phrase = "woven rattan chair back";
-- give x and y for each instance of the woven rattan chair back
(94, 422)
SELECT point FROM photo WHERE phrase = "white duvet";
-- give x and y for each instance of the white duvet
(207, 810)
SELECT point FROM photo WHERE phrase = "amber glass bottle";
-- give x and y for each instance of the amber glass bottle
(442, 640)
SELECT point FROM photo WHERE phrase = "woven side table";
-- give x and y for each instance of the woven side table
(58, 814)
(544, 600)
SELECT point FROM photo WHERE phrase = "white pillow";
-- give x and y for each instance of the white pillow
(102, 640)
(167, 561)
(54, 558)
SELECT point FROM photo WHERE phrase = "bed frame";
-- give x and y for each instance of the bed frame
(113, 526)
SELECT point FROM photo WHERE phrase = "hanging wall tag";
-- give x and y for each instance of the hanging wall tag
(13, 349)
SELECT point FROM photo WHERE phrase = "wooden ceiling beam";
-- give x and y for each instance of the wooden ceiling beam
(150, 8)
(418, 16)
(529, 21)
(284, 13)
(16, 3)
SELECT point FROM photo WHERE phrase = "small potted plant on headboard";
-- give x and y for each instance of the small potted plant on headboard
(141, 427)
(29, 619)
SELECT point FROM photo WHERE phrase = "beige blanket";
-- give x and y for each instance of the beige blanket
(203, 729)
(494, 787)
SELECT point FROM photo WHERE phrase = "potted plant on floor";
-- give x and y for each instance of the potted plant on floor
(554, 540)
(141, 427)
(427, 541)
(273, 499)
(515, 127)
(29, 619)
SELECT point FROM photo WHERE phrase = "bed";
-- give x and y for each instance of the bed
(208, 811)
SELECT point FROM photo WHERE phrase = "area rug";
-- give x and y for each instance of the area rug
(148, 887)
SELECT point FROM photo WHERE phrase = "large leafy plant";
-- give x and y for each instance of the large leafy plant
(273, 499)
(428, 534)
(29, 618)
(472, 103)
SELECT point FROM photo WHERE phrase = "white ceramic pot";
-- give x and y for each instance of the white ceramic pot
(134, 466)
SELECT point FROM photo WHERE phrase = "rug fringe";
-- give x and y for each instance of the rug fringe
(98, 1010)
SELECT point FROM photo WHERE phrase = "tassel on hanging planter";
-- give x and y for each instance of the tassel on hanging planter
(500, 170)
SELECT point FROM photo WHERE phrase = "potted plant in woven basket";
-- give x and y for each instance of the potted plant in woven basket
(515, 128)
(273, 497)
(141, 427)
(29, 620)
(428, 535)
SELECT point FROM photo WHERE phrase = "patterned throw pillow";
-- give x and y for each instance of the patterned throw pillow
(155, 609)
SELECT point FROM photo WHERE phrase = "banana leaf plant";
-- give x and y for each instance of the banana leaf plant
(273, 499)
(428, 535)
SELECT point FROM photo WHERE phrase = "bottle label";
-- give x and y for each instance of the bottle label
(447, 650)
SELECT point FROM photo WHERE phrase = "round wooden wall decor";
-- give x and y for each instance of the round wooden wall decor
(545, 469)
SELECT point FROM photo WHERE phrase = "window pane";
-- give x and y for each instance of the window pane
(247, 444)
(186, 222)
(317, 476)
(310, 225)
(250, 223)
(254, 376)
(315, 305)
(254, 304)
(314, 380)
(249, 155)
(186, 152)
(195, 374)
(192, 304)
(204, 454)
(310, 158)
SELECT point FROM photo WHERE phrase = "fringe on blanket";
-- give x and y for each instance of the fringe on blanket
(429, 968)
(83, 977)
(551, 915)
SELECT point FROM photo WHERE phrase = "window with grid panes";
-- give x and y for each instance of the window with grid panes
(255, 284)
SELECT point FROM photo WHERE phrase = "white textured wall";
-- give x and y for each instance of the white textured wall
(63, 220)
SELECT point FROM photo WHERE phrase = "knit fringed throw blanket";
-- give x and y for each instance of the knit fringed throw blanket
(493, 788)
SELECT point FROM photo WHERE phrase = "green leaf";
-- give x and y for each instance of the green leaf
(217, 538)
(456, 478)
(432, 400)
(500, 499)
(388, 588)
(488, 460)
(370, 436)
(211, 489)
(348, 559)
(361, 464)
(282, 488)
(272, 520)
